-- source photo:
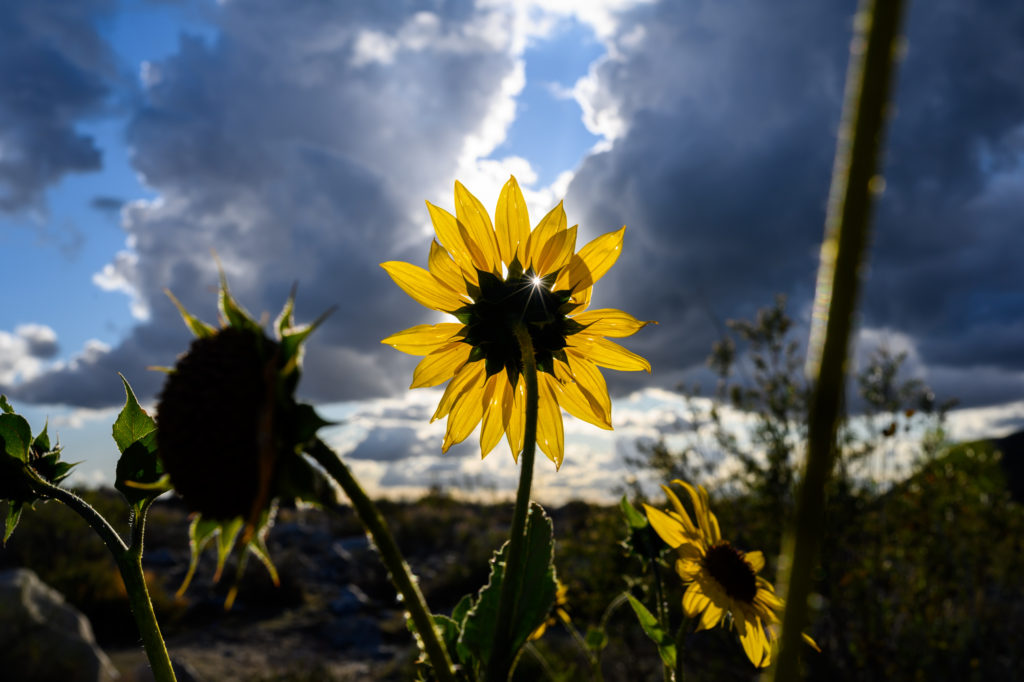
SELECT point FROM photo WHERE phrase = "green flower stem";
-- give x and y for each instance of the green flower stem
(502, 657)
(679, 675)
(129, 563)
(873, 55)
(392, 557)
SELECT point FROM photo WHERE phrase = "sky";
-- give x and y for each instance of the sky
(299, 140)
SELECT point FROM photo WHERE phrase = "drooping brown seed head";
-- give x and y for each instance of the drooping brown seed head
(212, 421)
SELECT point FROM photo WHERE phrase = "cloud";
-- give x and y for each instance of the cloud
(23, 353)
(55, 70)
(297, 152)
(720, 123)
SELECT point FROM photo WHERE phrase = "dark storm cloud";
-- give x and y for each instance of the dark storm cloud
(730, 113)
(54, 71)
(299, 144)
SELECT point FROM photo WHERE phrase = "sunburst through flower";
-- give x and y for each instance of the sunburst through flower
(493, 278)
(723, 581)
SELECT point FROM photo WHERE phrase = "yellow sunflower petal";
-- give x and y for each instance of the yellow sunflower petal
(610, 322)
(511, 222)
(807, 638)
(472, 214)
(682, 515)
(555, 253)
(550, 436)
(424, 339)
(756, 560)
(712, 617)
(590, 379)
(699, 498)
(579, 403)
(493, 426)
(469, 375)
(440, 365)
(515, 429)
(594, 260)
(549, 226)
(666, 527)
(447, 229)
(605, 353)
(694, 600)
(445, 269)
(464, 417)
(422, 286)
(753, 639)
(688, 568)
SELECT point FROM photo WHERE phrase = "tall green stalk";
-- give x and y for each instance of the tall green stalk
(854, 182)
(392, 558)
(129, 563)
(502, 657)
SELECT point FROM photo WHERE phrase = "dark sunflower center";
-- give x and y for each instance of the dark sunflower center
(521, 298)
(727, 566)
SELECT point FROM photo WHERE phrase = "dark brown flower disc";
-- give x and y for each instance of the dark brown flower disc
(209, 421)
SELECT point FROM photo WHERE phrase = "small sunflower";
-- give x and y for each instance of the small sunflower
(492, 278)
(723, 580)
(559, 612)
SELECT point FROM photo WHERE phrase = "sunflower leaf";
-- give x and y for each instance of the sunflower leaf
(5, 407)
(139, 464)
(659, 635)
(15, 436)
(534, 601)
(11, 518)
(132, 424)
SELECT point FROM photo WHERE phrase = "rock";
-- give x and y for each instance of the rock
(44, 638)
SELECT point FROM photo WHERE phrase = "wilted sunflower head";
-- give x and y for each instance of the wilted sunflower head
(501, 280)
(230, 433)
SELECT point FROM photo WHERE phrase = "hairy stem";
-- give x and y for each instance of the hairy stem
(873, 55)
(392, 558)
(502, 657)
(129, 563)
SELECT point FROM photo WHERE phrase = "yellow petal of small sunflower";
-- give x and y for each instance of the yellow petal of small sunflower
(440, 365)
(423, 339)
(694, 600)
(713, 615)
(682, 517)
(422, 286)
(511, 222)
(667, 529)
(755, 559)
(753, 639)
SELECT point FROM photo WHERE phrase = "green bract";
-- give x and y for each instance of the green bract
(230, 434)
(23, 458)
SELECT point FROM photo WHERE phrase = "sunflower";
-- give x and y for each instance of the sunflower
(722, 579)
(492, 279)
